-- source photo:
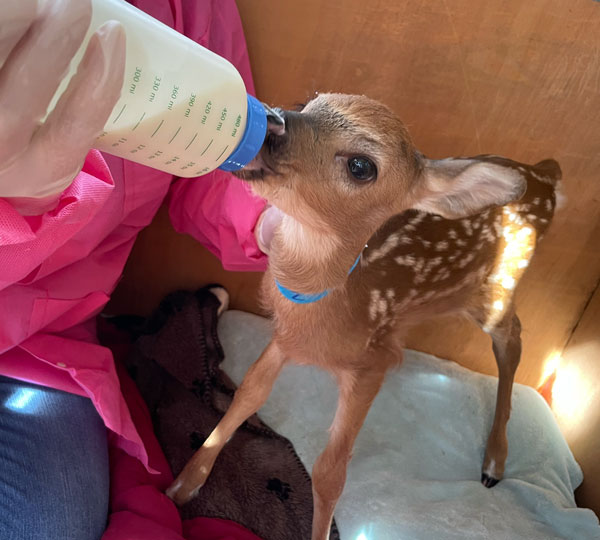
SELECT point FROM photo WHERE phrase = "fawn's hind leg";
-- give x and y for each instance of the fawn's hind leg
(506, 344)
(249, 397)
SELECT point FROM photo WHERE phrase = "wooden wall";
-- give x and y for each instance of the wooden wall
(509, 77)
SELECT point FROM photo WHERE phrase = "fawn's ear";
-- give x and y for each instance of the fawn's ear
(455, 188)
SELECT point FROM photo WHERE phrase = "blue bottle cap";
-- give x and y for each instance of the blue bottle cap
(252, 140)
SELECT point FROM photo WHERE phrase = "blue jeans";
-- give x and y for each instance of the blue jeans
(54, 481)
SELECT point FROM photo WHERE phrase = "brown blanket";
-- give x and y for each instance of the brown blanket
(258, 480)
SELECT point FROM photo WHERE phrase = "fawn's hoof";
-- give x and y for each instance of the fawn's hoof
(193, 476)
(180, 493)
(488, 481)
(223, 297)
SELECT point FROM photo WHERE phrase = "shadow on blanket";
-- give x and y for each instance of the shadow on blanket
(258, 479)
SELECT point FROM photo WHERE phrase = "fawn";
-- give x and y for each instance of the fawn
(374, 237)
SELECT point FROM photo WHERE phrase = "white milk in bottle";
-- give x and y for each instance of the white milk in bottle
(183, 109)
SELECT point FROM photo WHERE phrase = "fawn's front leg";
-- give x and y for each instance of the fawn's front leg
(357, 390)
(248, 398)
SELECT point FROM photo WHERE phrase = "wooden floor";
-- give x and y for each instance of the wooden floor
(509, 77)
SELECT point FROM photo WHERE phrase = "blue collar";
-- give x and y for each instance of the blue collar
(300, 298)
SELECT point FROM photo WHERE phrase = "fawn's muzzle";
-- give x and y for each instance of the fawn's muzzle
(275, 120)
(265, 163)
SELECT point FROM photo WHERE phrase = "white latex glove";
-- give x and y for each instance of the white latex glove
(36, 47)
(265, 228)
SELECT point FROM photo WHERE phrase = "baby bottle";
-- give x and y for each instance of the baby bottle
(183, 109)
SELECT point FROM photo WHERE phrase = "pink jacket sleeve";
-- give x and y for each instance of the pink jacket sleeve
(28, 241)
(218, 209)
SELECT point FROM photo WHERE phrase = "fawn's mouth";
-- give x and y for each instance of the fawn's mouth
(264, 164)
(258, 168)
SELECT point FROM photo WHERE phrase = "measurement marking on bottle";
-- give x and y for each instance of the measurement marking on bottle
(139, 121)
(176, 133)
(156, 130)
(222, 153)
(193, 139)
(119, 115)
(211, 141)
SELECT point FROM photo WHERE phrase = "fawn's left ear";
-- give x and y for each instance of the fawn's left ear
(455, 188)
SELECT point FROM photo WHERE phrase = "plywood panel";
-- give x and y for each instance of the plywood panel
(509, 77)
(577, 400)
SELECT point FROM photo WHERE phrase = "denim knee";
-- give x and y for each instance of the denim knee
(54, 477)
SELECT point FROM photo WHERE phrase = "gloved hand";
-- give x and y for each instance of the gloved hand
(36, 47)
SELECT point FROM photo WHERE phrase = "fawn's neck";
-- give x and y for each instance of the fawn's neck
(309, 261)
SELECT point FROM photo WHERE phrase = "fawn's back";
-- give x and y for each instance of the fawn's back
(419, 265)
(423, 264)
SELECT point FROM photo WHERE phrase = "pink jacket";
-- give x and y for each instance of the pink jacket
(58, 269)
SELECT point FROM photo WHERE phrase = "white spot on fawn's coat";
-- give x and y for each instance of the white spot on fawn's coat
(390, 243)
(378, 304)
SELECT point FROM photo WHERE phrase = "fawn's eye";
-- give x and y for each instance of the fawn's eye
(362, 168)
